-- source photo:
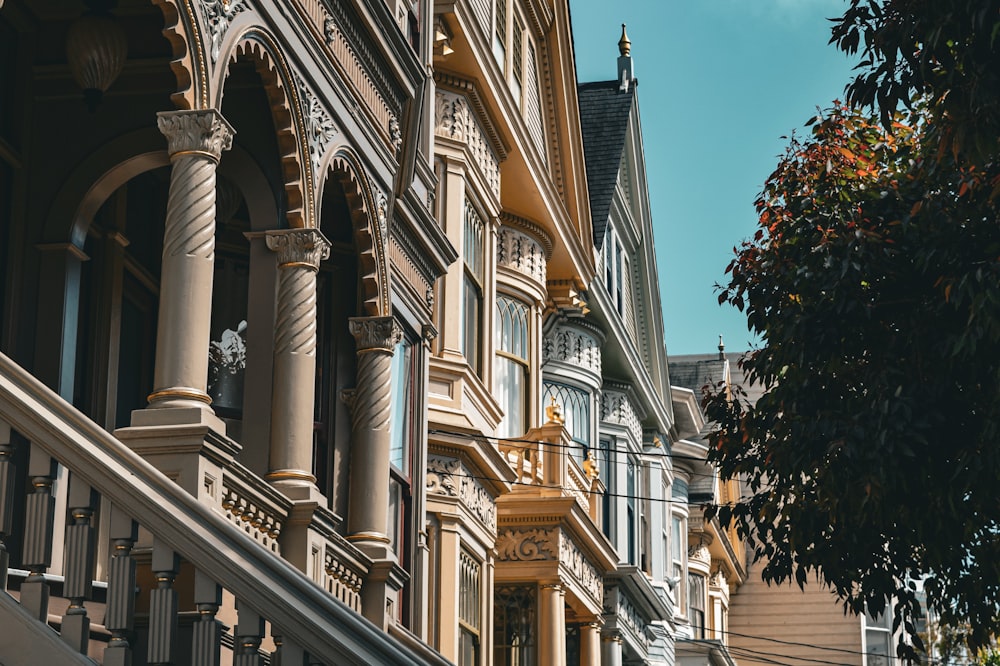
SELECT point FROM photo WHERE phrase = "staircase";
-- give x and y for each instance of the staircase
(183, 584)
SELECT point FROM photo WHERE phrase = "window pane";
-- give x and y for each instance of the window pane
(512, 327)
(575, 405)
(510, 392)
(696, 601)
(400, 394)
(471, 317)
(514, 626)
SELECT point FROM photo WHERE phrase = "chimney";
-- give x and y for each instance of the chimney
(626, 76)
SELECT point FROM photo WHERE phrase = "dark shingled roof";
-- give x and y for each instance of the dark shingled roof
(604, 112)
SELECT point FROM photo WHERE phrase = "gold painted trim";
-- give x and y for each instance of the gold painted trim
(286, 475)
(369, 536)
(299, 264)
(191, 153)
(192, 394)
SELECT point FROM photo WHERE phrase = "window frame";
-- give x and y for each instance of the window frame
(520, 362)
(473, 282)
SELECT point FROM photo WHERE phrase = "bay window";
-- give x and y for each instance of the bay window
(696, 604)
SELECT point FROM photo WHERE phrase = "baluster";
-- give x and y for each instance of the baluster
(287, 653)
(249, 632)
(79, 564)
(120, 613)
(7, 474)
(207, 642)
(39, 517)
(163, 606)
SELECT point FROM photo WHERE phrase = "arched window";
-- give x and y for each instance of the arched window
(575, 405)
(511, 368)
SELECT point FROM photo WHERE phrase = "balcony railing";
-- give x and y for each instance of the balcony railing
(177, 552)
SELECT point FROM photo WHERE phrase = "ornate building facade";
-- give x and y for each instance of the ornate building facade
(330, 335)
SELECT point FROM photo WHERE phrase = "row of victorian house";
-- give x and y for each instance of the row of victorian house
(333, 328)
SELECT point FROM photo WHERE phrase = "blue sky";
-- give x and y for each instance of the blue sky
(720, 81)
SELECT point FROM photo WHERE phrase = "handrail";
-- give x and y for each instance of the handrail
(305, 614)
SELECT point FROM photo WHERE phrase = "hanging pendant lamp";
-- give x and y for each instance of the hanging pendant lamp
(96, 49)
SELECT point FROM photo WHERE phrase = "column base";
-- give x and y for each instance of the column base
(375, 546)
(192, 413)
(188, 445)
(296, 485)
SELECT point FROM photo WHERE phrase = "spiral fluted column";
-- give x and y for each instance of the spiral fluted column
(292, 399)
(195, 141)
(367, 519)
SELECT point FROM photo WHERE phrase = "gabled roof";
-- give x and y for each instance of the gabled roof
(604, 115)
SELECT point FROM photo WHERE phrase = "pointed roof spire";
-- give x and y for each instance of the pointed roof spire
(626, 75)
(722, 349)
(624, 45)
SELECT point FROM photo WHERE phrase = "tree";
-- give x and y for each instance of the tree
(945, 50)
(872, 457)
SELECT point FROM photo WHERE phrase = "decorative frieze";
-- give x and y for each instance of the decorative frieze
(522, 253)
(514, 545)
(449, 477)
(616, 407)
(583, 572)
(574, 347)
(454, 119)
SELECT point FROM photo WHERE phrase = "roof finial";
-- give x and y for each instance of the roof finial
(722, 349)
(624, 45)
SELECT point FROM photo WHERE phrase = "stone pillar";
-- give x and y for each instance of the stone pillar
(611, 650)
(293, 391)
(552, 625)
(195, 141)
(367, 521)
(590, 644)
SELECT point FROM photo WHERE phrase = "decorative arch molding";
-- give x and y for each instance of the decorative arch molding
(94, 179)
(257, 46)
(369, 218)
(182, 29)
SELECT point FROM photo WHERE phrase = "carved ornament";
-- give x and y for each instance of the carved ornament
(449, 477)
(617, 407)
(319, 125)
(219, 15)
(574, 347)
(515, 545)
(454, 119)
(299, 247)
(203, 132)
(375, 333)
(584, 573)
(522, 253)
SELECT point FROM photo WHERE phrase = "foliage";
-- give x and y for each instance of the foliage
(873, 282)
(946, 50)
(950, 646)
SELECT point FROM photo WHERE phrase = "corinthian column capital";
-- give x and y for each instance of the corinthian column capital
(204, 132)
(375, 333)
(299, 247)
